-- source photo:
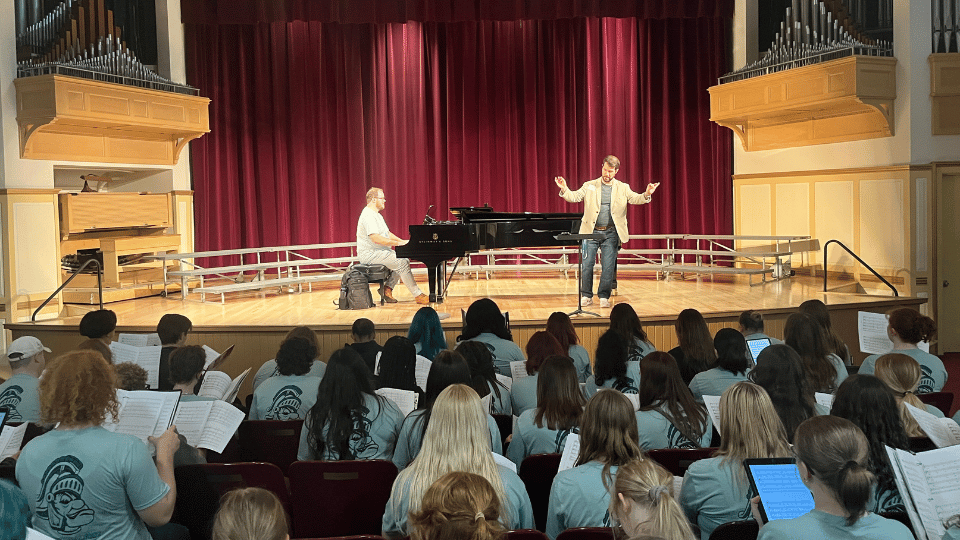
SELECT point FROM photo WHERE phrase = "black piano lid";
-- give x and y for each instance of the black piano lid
(475, 214)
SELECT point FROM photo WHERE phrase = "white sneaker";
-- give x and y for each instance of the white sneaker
(586, 300)
(604, 302)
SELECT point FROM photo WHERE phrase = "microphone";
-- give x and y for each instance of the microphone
(427, 220)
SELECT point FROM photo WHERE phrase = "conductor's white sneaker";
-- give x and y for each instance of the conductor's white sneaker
(586, 300)
(604, 302)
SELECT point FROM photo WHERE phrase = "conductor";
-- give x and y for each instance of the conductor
(604, 212)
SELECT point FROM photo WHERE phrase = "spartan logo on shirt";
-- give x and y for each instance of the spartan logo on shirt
(746, 512)
(677, 439)
(562, 437)
(10, 398)
(286, 404)
(926, 381)
(625, 385)
(889, 500)
(361, 443)
(60, 501)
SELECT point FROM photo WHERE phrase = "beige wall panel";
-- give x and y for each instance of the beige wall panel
(882, 224)
(35, 239)
(792, 217)
(755, 211)
(834, 219)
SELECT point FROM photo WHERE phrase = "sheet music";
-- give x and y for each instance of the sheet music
(11, 439)
(212, 355)
(872, 328)
(190, 419)
(634, 401)
(898, 476)
(421, 371)
(140, 340)
(506, 381)
(933, 481)
(138, 415)
(486, 402)
(146, 357)
(942, 433)
(571, 449)
(231, 393)
(222, 423)
(713, 407)
(677, 486)
(518, 369)
(406, 400)
(33, 534)
(825, 400)
(504, 462)
(215, 384)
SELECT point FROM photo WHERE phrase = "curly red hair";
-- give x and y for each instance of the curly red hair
(79, 388)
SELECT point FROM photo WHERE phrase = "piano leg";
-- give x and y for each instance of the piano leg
(436, 283)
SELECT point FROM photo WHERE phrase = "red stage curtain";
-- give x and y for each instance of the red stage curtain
(305, 116)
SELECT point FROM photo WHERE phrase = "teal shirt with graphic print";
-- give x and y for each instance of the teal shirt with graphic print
(715, 491)
(578, 498)
(631, 384)
(528, 439)
(21, 395)
(934, 373)
(656, 432)
(381, 422)
(285, 397)
(504, 351)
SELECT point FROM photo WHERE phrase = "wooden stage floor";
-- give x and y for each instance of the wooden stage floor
(257, 321)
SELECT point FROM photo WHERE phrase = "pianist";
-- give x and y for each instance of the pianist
(375, 246)
(604, 212)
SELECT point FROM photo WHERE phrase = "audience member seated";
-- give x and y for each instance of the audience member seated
(83, 481)
(695, 352)
(645, 505)
(906, 328)
(560, 403)
(398, 366)
(611, 369)
(269, 368)
(902, 374)
(779, 371)
(130, 376)
(561, 327)
(818, 310)
(752, 327)
(458, 506)
(716, 490)
(624, 321)
(580, 496)
(732, 365)
(832, 455)
(824, 370)
(348, 421)
(483, 377)
(97, 345)
(485, 323)
(172, 329)
(523, 394)
(250, 513)
(426, 333)
(186, 367)
(869, 404)
(447, 369)
(457, 439)
(14, 512)
(99, 324)
(669, 416)
(364, 336)
(20, 393)
(289, 395)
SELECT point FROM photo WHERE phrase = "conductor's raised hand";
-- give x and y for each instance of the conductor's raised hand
(561, 182)
(651, 188)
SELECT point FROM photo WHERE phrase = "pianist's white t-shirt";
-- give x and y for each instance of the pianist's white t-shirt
(371, 222)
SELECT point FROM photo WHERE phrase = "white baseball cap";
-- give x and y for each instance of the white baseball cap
(25, 347)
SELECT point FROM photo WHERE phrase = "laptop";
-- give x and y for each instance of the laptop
(782, 494)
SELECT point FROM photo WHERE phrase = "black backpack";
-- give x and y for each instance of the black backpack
(355, 291)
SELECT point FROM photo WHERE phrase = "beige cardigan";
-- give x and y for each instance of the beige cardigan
(621, 195)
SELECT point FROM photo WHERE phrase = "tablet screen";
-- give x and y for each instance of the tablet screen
(757, 345)
(3, 416)
(782, 493)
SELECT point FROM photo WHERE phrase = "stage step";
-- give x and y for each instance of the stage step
(264, 284)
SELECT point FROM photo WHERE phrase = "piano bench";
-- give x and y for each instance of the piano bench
(375, 273)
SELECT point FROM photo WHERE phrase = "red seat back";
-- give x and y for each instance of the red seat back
(537, 472)
(940, 400)
(676, 460)
(587, 533)
(272, 441)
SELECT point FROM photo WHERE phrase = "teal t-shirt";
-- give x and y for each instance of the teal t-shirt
(89, 483)
(714, 494)
(382, 424)
(269, 369)
(284, 397)
(516, 514)
(21, 395)
(631, 384)
(578, 498)
(934, 374)
(504, 351)
(817, 525)
(713, 382)
(656, 432)
(523, 394)
(639, 349)
(411, 439)
(581, 361)
(528, 439)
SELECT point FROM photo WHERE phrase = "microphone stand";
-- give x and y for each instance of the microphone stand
(580, 238)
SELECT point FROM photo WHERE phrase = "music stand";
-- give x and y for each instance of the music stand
(580, 238)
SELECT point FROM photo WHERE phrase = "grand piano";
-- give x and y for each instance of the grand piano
(478, 228)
